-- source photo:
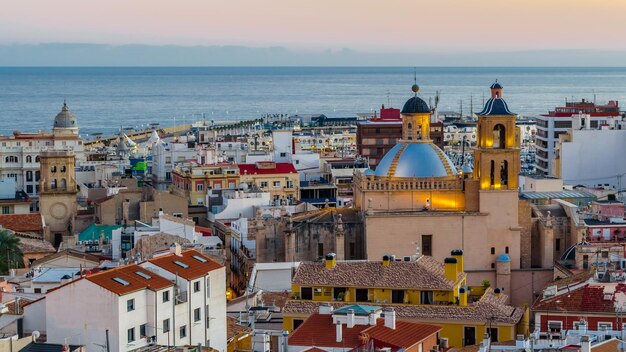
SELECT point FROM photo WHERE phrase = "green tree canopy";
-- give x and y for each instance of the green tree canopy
(11, 255)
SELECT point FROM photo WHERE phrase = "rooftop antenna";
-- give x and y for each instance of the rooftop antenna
(594, 96)
(388, 98)
(415, 86)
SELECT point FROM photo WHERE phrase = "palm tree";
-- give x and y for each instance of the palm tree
(11, 255)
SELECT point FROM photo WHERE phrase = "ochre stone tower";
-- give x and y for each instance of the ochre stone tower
(416, 121)
(57, 196)
(497, 154)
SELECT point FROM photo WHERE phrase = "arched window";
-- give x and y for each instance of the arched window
(63, 168)
(504, 173)
(37, 159)
(6, 160)
(37, 175)
(409, 131)
(53, 169)
(29, 175)
(492, 172)
(63, 184)
(499, 135)
(53, 184)
(29, 159)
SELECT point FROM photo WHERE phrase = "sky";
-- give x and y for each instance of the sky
(373, 26)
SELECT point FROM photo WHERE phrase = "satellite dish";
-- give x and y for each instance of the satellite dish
(35, 335)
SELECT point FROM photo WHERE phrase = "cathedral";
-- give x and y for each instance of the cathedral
(417, 202)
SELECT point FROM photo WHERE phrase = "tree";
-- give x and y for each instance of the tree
(11, 255)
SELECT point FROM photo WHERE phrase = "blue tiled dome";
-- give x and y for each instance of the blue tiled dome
(496, 86)
(415, 105)
(503, 258)
(415, 160)
(495, 106)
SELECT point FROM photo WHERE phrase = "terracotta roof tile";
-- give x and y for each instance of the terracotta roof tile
(488, 307)
(66, 252)
(193, 268)
(587, 298)
(233, 328)
(611, 345)
(423, 273)
(125, 279)
(32, 245)
(19, 308)
(319, 330)
(32, 222)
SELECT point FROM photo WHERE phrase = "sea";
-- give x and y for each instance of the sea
(105, 99)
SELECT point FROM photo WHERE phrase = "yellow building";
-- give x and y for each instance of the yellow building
(416, 201)
(281, 180)
(419, 289)
(194, 181)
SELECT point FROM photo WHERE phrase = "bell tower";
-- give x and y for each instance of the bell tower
(57, 196)
(497, 154)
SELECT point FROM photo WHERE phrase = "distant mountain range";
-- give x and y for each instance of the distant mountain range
(61, 54)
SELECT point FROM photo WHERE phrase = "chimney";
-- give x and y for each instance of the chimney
(458, 255)
(585, 344)
(450, 269)
(390, 318)
(520, 342)
(372, 318)
(350, 318)
(462, 297)
(326, 308)
(386, 260)
(331, 260)
(160, 212)
(339, 332)
(176, 249)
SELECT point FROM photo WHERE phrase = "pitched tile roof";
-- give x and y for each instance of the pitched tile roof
(587, 298)
(192, 267)
(611, 345)
(32, 245)
(66, 252)
(281, 168)
(126, 279)
(488, 307)
(19, 308)
(319, 331)
(233, 328)
(424, 273)
(32, 222)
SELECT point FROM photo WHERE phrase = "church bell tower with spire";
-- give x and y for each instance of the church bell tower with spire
(497, 154)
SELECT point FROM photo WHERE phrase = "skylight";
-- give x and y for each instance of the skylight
(199, 258)
(121, 281)
(144, 275)
(181, 264)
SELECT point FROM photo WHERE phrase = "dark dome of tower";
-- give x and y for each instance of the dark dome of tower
(415, 105)
(65, 119)
(496, 86)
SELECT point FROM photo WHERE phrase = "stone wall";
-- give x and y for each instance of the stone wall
(526, 223)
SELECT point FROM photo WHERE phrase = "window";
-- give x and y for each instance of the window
(493, 250)
(397, 296)
(361, 295)
(320, 250)
(131, 335)
(166, 325)
(604, 326)
(297, 322)
(199, 187)
(182, 332)
(427, 245)
(555, 326)
(166, 296)
(196, 314)
(53, 169)
(63, 184)
(282, 155)
(37, 290)
(37, 175)
(306, 293)
(37, 159)
(339, 293)
(506, 249)
(29, 159)
(130, 305)
(29, 175)
(276, 183)
(493, 334)
(6, 209)
(263, 184)
(352, 250)
(196, 286)
(142, 331)
(53, 184)
(426, 297)
(558, 244)
(63, 168)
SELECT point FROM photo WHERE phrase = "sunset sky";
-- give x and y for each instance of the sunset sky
(364, 25)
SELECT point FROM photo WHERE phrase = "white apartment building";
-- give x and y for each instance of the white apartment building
(177, 299)
(19, 153)
(165, 155)
(549, 128)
